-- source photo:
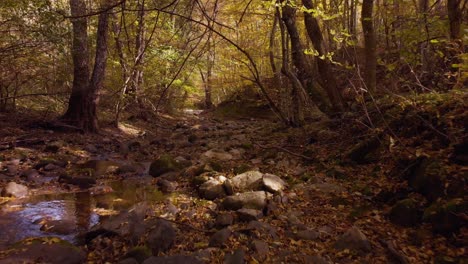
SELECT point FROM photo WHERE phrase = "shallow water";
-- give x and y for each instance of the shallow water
(66, 215)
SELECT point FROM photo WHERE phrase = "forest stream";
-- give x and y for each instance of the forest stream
(202, 189)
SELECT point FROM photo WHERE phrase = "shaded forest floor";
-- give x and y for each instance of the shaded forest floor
(350, 191)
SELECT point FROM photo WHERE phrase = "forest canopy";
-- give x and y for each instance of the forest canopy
(151, 56)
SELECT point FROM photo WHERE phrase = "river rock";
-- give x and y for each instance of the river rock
(307, 235)
(13, 189)
(176, 259)
(247, 215)
(163, 165)
(61, 227)
(273, 183)
(82, 182)
(251, 200)
(406, 213)
(216, 155)
(263, 227)
(213, 188)
(162, 237)
(237, 257)
(353, 239)
(247, 181)
(140, 254)
(220, 238)
(11, 169)
(224, 219)
(167, 186)
(261, 249)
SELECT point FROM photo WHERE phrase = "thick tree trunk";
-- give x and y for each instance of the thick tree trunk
(370, 45)
(324, 67)
(76, 113)
(83, 101)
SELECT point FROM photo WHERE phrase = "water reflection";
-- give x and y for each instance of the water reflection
(66, 215)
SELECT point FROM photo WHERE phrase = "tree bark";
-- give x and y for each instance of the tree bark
(137, 74)
(297, 50)
(455, 18)
(84, 98)
(324, 67)
(76, 113)
(370, 45)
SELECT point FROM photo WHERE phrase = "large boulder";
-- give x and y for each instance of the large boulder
(355, 240)
(406, 213)
(273, 183)
(251, 200)
(213, 188)
(247, 181)
(13, 189)
(248, 215)
(162, 237)
(164, 164)
(446, 216)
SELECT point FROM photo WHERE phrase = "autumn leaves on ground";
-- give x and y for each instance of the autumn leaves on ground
(216, 188)
(210, 131)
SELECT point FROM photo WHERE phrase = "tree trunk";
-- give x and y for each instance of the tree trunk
(455, 18)
(84, 98)
(370, 45)
(324, 67)
(209, 71)
(297, 50)
(298, 78)
(78, 104)
(137, 75)
(99, 71)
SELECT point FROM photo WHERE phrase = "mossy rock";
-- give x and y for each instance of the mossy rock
(365, 151)
(445, 216)
(140, 253)
(164, 164)
(428, 178)
(406, 213)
